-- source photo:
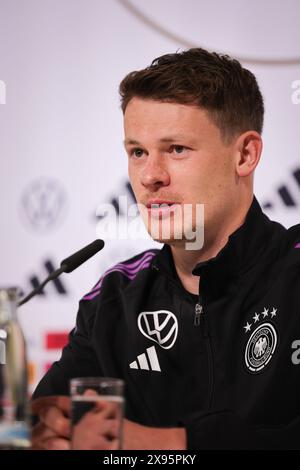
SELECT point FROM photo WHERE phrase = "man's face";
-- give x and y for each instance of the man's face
(177, 156)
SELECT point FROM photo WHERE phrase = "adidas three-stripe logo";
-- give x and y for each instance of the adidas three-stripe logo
(146, 361)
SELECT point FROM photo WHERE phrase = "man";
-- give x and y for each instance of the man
(202, 337)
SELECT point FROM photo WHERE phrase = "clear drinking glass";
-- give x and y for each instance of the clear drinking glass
(87, 393)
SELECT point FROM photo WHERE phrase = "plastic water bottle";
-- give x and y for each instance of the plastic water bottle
(14, 415)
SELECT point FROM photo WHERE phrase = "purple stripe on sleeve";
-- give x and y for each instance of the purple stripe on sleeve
(130, 270)
(297, 245)
(131, 266)
(148, 254)
(134, 267)
(94, 294)
(122, 269)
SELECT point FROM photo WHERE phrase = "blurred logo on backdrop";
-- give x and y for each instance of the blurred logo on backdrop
(57, 286)
(153, 16)
(118, 248)
(43, 204)
(114, 200)
(286, 195)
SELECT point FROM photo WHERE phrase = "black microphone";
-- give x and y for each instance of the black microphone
(67, 266)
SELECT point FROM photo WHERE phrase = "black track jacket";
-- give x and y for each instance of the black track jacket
(226, 364)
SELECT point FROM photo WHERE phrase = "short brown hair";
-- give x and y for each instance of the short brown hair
(212, 81)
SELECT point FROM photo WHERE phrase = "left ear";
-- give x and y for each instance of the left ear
(248, 150)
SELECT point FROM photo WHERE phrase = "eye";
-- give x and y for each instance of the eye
(178, 149)
(137, 152)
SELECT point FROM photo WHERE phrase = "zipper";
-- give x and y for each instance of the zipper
(201, 320)
(198, 313)
(199, 316)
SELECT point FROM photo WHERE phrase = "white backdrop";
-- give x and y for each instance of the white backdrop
(61, 150)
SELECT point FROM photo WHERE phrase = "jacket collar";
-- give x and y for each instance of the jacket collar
(244, 248)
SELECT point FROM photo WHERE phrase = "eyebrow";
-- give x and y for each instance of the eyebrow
(163, 139)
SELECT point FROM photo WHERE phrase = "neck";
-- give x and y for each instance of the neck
(186, 260)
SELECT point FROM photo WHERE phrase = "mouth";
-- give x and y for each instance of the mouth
(161, 208)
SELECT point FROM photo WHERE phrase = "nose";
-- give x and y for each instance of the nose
(155, 173)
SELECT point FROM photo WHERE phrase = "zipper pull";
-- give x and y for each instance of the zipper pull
(198, 312)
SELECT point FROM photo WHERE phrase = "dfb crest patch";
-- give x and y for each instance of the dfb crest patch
(260, 347)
